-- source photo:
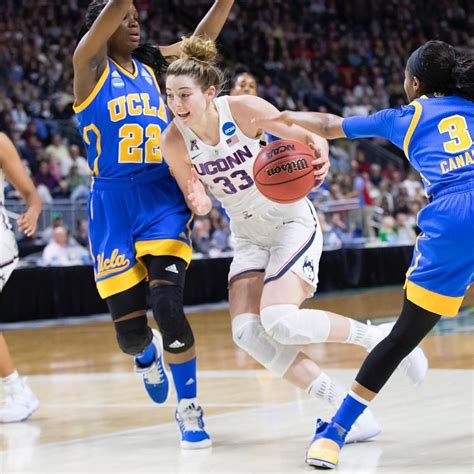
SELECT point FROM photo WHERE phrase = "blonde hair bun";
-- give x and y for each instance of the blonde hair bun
(198, 48)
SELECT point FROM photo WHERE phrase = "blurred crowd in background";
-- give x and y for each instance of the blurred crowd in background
(342, 56)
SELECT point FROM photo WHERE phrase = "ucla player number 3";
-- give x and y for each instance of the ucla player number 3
(456, 126)
(130, 146)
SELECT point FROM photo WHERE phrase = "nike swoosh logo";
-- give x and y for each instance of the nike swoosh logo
(195, 156)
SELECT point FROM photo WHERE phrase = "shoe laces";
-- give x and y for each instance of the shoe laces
(156, 374)
(190, 419)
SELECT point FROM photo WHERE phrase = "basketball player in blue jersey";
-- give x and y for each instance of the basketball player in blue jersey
(139, 221)
(436, 132)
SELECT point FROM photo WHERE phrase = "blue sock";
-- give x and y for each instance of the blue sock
(184, 376)
(147, 356)
(349, 411)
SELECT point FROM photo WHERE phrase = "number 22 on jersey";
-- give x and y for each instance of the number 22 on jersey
(132, 137)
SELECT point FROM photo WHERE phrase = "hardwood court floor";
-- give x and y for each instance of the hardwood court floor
(96, 417)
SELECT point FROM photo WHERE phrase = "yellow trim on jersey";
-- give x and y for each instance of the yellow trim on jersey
(124, 71)
(413, 125)
(172, 247)
(162, 108)
(417, 259)
(80, 107)
(150, 70)
(431, 301)
(124, 281)
(98, 145)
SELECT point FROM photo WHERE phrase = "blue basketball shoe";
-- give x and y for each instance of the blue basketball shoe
(154, 376)
(191, 425)
(326, 445)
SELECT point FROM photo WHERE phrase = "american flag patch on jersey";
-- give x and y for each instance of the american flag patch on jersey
(233, 140)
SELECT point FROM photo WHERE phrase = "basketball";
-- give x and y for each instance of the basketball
(283, 171)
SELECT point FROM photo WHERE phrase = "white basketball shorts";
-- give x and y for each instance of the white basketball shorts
(282, 238)
(8, 254)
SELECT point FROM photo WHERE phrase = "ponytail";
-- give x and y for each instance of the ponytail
(463, 76)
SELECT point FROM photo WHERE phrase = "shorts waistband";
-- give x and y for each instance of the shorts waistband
(460, 188)
(99, 182)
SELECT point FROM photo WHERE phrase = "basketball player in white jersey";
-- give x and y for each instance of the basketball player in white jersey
(20, 401)
(212, 142)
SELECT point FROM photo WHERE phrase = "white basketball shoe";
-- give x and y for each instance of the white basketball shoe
(20, 402)
(414, 365)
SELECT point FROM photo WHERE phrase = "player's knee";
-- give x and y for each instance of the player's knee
(133, 335)
(249, 334)
(288, 324)
(167, 305)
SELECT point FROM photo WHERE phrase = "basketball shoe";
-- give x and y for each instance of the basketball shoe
(326, 445)
(189, 416)
(155, 378)
(20, 402)
(414, 365)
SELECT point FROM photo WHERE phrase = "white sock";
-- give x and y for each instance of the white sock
(362, 334)
(325, 389)
(11, 379)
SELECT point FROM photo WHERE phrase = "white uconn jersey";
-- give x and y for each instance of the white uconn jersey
(227, 168)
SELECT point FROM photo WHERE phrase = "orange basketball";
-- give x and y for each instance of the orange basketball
(283, 171)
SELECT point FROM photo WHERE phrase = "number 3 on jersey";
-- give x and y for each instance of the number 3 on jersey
(130, 146)
(461, 139)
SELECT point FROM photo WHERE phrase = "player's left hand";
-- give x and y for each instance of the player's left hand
(321, 165)
(27, 223)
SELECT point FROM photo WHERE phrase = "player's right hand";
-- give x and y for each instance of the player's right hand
(198, 199)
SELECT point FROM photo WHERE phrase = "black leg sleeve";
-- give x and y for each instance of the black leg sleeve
(412, 326)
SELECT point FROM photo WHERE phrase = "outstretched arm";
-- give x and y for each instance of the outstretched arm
(325, 125)
(210, 26)
(18, 177)
(252, 116)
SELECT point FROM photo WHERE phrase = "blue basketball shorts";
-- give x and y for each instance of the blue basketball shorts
(133, 217)
(442, 267)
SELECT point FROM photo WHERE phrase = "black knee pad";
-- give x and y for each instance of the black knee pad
(167, 305)
(133, 335)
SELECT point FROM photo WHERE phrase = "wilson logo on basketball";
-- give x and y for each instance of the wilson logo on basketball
(277, 150)
(290, 167)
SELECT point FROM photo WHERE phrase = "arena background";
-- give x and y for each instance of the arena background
(344, 57)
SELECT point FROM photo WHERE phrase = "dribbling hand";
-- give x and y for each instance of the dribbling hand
(321, 165)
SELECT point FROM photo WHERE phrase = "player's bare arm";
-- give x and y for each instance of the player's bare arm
(16, 174)
(325, 125)
(210, 26)
(194, 192)
(90, 56)
(257, 108)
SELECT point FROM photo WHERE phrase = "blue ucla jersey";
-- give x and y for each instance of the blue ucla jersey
(436, 134)
(136, 207)
(121, 122)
